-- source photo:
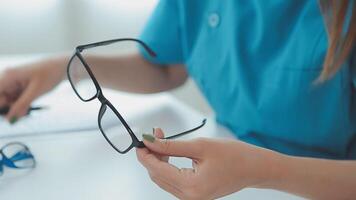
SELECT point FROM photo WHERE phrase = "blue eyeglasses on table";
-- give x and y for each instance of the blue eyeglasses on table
(17, 156)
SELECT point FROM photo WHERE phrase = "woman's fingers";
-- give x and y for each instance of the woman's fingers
(172, 147)
(168, 177)
(20, 107)
(183, 182)
(166, 186)
(5, 90)
(158, 168)
(12, 86)
(3, 100)
(158, 133)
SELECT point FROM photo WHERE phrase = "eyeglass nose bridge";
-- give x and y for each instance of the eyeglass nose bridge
(101, 97)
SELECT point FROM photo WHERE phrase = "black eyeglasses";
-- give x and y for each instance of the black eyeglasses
(118, 134)
(16, 155)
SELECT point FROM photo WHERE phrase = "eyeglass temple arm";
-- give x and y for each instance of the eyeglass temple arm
(108, 42)
(140, 144)
(186, 132)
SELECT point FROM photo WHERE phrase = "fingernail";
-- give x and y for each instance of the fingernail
(148, 137)
(13, 120)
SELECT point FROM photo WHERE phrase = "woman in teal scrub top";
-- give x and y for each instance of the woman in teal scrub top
(279, 74)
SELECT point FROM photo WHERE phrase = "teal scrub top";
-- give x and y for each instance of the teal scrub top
(255, 61)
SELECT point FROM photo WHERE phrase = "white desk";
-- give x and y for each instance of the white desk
(82, 166)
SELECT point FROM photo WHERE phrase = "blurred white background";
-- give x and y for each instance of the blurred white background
(52, 26)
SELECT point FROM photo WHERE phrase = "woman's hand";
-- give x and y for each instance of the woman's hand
(21, 85)
(220, 167)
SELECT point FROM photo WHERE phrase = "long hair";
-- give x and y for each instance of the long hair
(340, 20)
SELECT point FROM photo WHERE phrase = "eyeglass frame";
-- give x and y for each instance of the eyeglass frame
(13, 165)
(104, 101)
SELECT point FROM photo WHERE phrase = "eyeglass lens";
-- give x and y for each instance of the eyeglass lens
(114, 130)
(80, 78)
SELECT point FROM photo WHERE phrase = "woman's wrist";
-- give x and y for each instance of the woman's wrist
(270, 169)
(60, 62)
(307, 177)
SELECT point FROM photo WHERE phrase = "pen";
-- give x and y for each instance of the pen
(5, 110)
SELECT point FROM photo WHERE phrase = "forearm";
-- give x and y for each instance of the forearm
(133, 73)
(314, 178)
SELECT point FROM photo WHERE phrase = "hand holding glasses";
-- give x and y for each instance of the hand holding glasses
(120, 137)
(16, 155)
